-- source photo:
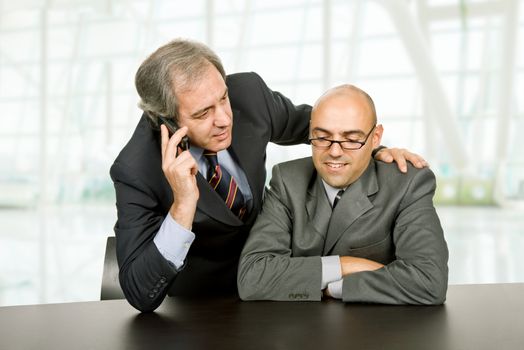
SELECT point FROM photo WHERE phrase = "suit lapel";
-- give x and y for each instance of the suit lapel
(213, 205)
(353, 204)
(318, 207)
(243, 154)
(210, 202)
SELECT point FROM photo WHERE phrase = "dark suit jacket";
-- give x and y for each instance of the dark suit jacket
(144, 197)
(385, 216)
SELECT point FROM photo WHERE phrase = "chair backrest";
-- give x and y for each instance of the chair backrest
(110, 285)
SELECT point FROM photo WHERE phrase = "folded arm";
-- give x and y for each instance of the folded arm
(267, 269)
(143, 272)
(419, 274)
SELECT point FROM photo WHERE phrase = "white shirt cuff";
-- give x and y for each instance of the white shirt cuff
(173, 241)
(335, 289)
(331, 270)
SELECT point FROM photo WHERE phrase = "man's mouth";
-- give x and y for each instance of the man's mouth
(222, 135)
(335, 165)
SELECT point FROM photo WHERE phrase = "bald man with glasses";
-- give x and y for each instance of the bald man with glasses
(340, 224)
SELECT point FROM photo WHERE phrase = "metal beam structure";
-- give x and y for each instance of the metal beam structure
(353, 43)
(506, 93)
(474, 10)
(43, 176)
(418, 51)
(209, 22)
(438, 112)
(242, 35)
(326, 44)
(430, 126)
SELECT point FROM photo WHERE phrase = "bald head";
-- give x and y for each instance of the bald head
(350, 92)
(344, 132)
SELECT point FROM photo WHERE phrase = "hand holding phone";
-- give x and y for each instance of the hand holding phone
(180, 170)
(172, 126)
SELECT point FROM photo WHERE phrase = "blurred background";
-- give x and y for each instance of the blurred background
(447, 77)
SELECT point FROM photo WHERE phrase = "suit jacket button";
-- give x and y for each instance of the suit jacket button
(163, 280)
(151, 295)
(154, 290)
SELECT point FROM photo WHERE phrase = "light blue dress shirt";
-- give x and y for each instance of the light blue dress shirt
(173, 240)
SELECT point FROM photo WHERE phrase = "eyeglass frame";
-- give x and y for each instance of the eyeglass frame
(340, 143)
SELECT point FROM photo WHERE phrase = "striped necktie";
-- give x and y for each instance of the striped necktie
(225, 185)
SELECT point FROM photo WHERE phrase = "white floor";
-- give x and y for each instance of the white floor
(57, 255)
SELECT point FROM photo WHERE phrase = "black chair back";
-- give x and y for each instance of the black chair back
(110, 285)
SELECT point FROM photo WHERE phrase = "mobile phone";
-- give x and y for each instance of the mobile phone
(172, 126)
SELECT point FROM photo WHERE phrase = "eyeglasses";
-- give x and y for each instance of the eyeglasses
(323, 143)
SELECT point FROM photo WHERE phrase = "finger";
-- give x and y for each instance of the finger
(164, 134)
(421, 162)
(384, 155)
(179, 150)
(401, 161)
(174, 140)
(186, 163)
(387, 157)
(416, 160)
(194, 170)
(184, 172)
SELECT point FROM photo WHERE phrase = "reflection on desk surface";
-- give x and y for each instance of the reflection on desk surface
(474, 317)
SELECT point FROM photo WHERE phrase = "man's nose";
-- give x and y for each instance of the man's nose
(335, 150)
(222, 117)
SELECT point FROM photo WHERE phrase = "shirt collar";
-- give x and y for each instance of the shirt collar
(331, 191)
(196, 152)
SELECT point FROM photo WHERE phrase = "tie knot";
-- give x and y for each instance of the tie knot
(211, 157)
(337, 197)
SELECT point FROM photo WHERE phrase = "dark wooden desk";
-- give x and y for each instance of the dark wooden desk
(474, 317)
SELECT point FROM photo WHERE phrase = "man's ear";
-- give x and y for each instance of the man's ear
(377, 135)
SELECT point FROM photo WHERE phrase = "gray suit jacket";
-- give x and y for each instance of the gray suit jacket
(385, 216)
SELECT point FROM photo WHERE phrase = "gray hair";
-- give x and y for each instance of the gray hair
(178, 64)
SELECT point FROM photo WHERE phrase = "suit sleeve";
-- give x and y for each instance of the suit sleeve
(419, 274)
(144, 274)
(267, 271)
(289, 122)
